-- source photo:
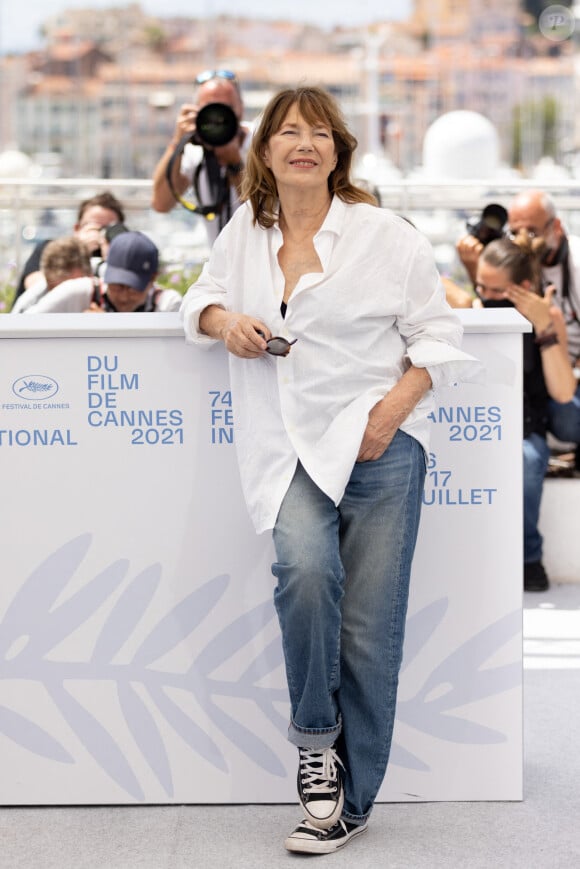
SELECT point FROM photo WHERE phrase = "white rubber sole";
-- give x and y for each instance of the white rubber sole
(305, 844)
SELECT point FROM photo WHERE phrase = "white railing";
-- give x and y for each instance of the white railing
(438, 208)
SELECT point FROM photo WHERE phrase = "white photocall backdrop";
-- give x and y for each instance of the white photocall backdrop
(140, 659)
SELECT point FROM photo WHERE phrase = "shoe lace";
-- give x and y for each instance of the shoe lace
(319, 770)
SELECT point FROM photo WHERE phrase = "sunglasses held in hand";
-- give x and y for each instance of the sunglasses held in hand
(277, 346)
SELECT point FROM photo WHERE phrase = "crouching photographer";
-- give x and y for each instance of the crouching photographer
(207, 153)
(488, 226)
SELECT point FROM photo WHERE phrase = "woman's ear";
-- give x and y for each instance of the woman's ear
(266, 157)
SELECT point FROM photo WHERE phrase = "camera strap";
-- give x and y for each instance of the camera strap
(562, 259)
(219, 186)
(217, 183)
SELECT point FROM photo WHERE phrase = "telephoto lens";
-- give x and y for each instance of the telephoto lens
(490, 225)
(216, 124)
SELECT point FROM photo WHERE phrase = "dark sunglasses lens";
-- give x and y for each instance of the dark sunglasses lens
(279, 346)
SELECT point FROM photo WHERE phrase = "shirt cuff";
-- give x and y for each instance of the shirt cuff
(190, 314)
(446, 364)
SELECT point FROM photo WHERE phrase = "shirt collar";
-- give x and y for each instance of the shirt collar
(334, 220)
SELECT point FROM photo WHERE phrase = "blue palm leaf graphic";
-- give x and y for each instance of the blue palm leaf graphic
(232, 638)
(97, 741)
(29, 735)
(181, 621)
(31, 604)
(402, 757)
(460, 680)
(34, 617)
(126, 614)
(70, 615)
(420, 627)
(270, 658)
(188, 730)
(279, 721)
(267, 662)
(461, 669)
(146, 735)
(248, 742)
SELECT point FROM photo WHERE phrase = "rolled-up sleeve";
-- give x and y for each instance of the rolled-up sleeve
(209, 289)
(430, 327)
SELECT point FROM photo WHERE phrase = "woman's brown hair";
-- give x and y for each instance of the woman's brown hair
(316, 106)
(518, 255)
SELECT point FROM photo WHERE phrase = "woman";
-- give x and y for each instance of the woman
(331, 429)
(509, 273)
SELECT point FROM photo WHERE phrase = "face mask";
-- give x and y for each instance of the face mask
(497, 303)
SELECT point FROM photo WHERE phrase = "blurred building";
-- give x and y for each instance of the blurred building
(105, 93)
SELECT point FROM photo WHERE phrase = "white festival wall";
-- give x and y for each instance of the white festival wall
(140, 659)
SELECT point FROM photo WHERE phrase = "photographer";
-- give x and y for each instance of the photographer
(509, 274)
(489, 226)
(534, 211)
(62, 259)
(94, 214)
(126, 286)
(214, 171)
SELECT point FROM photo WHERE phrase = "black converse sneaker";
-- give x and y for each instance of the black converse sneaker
(306, 839)
(320, 788)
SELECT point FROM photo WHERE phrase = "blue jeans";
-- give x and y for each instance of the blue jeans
(343, 586)
(564, 418)
(536, 455)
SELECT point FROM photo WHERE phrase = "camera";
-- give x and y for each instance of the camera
(216, 124)
(490, 225)
(112, 230)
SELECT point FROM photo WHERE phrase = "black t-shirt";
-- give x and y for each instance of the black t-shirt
(535, 391)
(31, 265)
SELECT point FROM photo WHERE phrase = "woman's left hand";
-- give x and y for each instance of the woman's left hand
(534, 308)
(390, 412)
(379, 433)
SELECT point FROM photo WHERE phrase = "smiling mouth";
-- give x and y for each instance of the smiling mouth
(306, 163)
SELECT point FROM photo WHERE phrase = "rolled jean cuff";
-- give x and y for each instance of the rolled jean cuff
(313, 737)
(359, 820)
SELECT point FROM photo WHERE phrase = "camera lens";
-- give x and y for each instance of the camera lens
(494, 216)
(216, 124)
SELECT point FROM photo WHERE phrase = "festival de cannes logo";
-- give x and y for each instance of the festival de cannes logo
(34, 387)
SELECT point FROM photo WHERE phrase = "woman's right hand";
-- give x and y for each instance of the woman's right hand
(245, 336)
(469, 249)
(242, 335)
(185, 122)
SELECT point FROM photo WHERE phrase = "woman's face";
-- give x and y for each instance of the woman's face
(491, 282)
(301, 155)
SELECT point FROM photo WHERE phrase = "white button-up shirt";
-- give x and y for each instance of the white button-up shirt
(377, 307)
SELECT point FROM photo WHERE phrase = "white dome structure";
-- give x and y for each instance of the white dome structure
(461, 145)
(15, 164)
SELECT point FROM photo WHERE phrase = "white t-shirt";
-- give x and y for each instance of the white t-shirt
(377, 306)
(74, 296)
(571, 306)
(30, 296)
(190, 159)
